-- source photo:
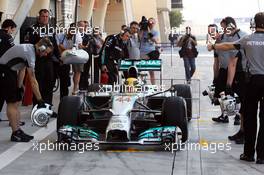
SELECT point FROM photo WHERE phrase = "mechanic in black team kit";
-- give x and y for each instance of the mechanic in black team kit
(12, 64)
(6, 42)
(113, 50)
(254, 94)
(44, 68)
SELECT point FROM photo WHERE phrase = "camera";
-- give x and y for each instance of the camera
(144, 23)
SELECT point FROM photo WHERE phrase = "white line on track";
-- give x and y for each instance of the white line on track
(19, 149)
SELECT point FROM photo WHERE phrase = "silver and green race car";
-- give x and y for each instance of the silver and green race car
(118, 114)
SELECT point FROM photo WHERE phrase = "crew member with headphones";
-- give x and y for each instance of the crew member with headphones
(14, 60)
(253, 45)
(44, 68)
(113, 50)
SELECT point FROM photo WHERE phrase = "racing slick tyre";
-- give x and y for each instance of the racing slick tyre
(69, 111)
(174, 114)
(185, 92)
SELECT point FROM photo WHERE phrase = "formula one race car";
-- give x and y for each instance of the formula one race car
(129, 113)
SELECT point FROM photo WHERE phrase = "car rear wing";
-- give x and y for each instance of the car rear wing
(141, 65)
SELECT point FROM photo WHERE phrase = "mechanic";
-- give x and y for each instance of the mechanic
(254, 94)
(44, 68)
(236, 76)
(148, 40)
(112, 51)
(188, 52)
(221, 61)
(14, 60)
(6, 42)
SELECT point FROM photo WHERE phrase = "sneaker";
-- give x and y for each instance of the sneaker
(26, 135)
(260, 161)
(20, 136)
(247, 158)
(240, 140)
(237, 120)
(221, 119)
(236, 136)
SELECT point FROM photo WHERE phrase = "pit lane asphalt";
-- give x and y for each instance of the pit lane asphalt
(22, 158)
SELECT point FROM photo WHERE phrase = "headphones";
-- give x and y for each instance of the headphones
(252, 24)
(258, 21)
(230, 23)
(125, 30)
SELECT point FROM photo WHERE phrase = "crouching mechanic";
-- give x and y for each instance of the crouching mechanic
(254, 93)
(113, 50)
(12, 67)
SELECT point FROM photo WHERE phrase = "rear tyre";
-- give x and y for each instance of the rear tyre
(174, 114)
(69, 111)
(185, 92)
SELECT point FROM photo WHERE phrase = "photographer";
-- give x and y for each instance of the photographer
(222, 59)
(173, 37)
(236, 75)
(188, 52)
(254, 48)
(148, 40)
(134, 42)
(213, 34)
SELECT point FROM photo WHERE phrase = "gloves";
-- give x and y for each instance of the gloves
(41, 104)
(229, 90)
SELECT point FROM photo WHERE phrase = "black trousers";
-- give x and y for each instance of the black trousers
(96, 70)
(44, 72)
(65, 80)
(220, 84)
(83, 84)
(253, 97)
(112, 72)
(239, 87)
(86, 70)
